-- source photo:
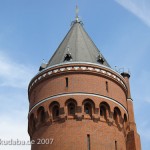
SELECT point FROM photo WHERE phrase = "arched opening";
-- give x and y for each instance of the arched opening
(71, 106)
(71, 109)
(104, 110)
(54, 109)
(88, 107)
(117, 115)
(55, 112)
(41, 114)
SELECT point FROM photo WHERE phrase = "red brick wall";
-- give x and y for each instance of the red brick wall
(72, 135)
(77, 83)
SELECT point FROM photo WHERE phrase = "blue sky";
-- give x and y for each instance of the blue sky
(31, 30)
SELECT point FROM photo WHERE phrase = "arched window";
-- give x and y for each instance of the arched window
(41, 114)
(55, 111)
(88, 109)
(54, 108)
(117, 115)
(104, 110)
(71, 108)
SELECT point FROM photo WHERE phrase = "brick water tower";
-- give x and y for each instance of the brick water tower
(78, 102)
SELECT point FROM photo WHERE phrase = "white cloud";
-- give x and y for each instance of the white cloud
(138, 7)
(13, 74)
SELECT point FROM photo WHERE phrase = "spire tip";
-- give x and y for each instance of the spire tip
(77, 13)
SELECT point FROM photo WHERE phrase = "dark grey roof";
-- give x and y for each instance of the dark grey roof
(77, 46)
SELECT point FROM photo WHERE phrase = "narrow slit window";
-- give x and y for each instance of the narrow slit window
(106, 86)
(88, 142)
(66, 82)
(115, 145)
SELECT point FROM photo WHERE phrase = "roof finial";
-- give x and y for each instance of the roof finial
(77, 12)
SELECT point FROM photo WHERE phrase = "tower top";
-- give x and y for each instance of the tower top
(77, 47)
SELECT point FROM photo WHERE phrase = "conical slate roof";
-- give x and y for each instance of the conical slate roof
(77, 46)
